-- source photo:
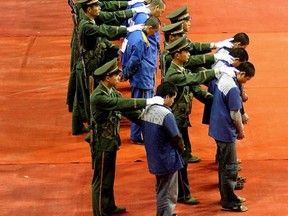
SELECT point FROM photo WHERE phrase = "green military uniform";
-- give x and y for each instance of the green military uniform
(98, 50)
(187, 84)
(176, 30)
(197, 50)
(115, 18)
(107, 106)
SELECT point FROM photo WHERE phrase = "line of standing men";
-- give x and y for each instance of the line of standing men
(140, 54)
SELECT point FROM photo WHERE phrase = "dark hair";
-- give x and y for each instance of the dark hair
(166, 88)
(248, 68)
(84, 7)
(241, 37)
(240, 53)
(167, 35)
(153, 21)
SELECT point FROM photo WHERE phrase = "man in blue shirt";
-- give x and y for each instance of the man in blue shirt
(156, 7)
(225, 127)
(163, 144)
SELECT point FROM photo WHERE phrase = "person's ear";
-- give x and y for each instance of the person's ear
(237, 44)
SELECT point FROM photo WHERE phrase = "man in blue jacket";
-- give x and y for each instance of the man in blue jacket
(163, 144)
(139, 66)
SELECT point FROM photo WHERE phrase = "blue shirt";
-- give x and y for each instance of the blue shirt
(226, 98)
(137, 62)
(158, 127)
(154, 40)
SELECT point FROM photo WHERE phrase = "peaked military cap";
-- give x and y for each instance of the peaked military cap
(178, 45)
(174, 28)
(179, 14)
(89, 2)
(108, 68)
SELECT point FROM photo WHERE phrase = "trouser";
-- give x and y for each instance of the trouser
(103, 202)
(227, 173)
(166, 191)
(72, 78)
(135, 133)
(188, 147)
(183, 184)
(81, 103)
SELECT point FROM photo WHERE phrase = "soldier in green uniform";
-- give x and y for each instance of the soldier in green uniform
(115, 18)
(188, 85)
(197, 48)
(171, 33)
(174, 31)
(197, 58)
(97, 50)
(107, 106)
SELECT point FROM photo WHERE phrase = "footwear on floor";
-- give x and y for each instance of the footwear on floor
(240, 208)
(119, 210)
(242, 199)
(83, 130)
(194, 159)
(139, 142)
(190, 201)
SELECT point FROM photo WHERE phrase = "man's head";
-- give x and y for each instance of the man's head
(91, 7)
(246, 72)
(152, 25)
(157, 7)
(241, 40)
(181, 14)
(240, 55)
(173, 31)
(168, 91)
(109, 73)
(179, 50)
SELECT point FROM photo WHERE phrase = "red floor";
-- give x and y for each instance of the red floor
(44, 170)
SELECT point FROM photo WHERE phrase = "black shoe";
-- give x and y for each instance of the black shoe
(240, 208)
(119, 210)
(194, 159)
(190, 201)
(83, 130)
(139, 142)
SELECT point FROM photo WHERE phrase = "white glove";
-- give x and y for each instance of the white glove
(135, 27)
(225, 43)
(132, 2)
(155, 100)
(223, 56)
(230, 71)
(142, 9)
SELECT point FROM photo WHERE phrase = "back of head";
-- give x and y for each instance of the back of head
(240, 53)
(166, 89)
(153, 21)
(248, 68)
(241, 38)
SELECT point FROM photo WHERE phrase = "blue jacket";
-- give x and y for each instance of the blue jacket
(138, 62)
(158, 127)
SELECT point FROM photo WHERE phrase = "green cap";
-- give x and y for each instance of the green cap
(89, 2)
(178, 45)
(179, 14)
(108, 68)
(174, 28)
